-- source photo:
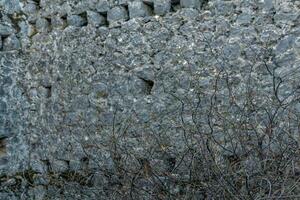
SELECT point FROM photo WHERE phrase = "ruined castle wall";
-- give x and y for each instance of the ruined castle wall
(100, 96)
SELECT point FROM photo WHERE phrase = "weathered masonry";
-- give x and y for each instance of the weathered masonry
(27, 18)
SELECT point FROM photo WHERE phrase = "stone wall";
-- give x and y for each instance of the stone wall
(25, 19)
(154, 99)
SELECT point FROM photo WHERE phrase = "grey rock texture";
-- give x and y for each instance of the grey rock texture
(162, 7)
(102, 6)
(139, 9)
(95, 19)
(191, 3)
(189, 99)
(6, 30)
(42, 25)
(76, 20)
(11, 43)
(117, 14)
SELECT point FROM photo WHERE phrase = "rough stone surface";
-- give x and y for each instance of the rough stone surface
(76, 20)
(104, 99)
(6, 30)
(191, 3)
(95, 19)
(117, 14)
(11, 43)
(102, 6)
(139, 9)
(10, 6)
(42, 25)
(162, 7)
(57, 22)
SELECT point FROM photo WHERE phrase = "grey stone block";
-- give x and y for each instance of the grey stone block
(139, 9)
(244, 19)
(123, 2)
(7, 80)
(232, 51)
(75, 165)
(100, 90)
(41, 179)
(6, 195)
(145, 72)
(3, 162)
(44, 92)
(39, 192)
(24, 29)
(95, 19)
(59, 166)
(268, 5)
(58, 22)
(11, 43)
(117, 14)
(284, 44)
(11, 6)
(38, 166)
(5, 133)
(162, 7)
(46, 82)
(91, 4)
(6, 30)
(190, 3)
(224, 7)
(76, 20)
(102, 6)
(42, 25)
(99, 179)
(30, 8)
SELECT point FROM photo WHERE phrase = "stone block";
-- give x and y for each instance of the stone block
(123, 2)
(117, 14)
(95, 19)
(38, 166)
(190, 3)
(11, 43)
(11, 6)
(6, 30)
(76, 20)
(284, 44)
(26, 29)
(42, 25)
(224, 7)
(244, 19)
(30, 8)
(5, 133)
(161, 7)
(139, 9)
(59, 166)
(102, 6)
(58, 22)
(39, 192)
(75, 165)
(267, 5)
